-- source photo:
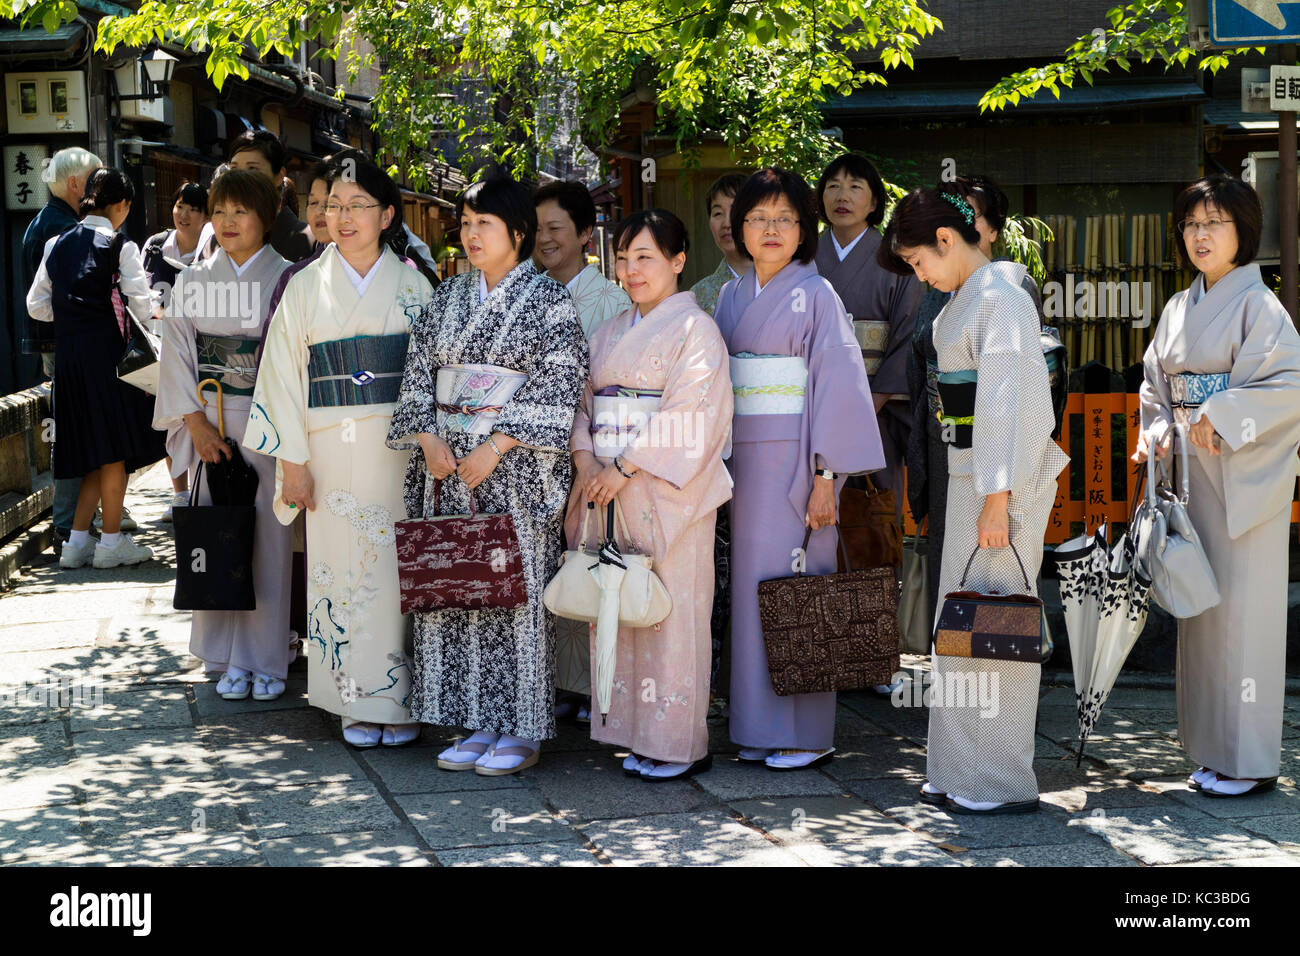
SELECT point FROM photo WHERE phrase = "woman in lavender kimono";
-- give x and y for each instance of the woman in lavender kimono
(1002, 470)
(495, 370)
(803, 422)
(212, 327)
(1225, 363)
(651, 432)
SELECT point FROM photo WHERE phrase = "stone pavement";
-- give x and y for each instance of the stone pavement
(162, 771)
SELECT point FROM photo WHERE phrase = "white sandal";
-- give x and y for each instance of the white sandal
(231, 687)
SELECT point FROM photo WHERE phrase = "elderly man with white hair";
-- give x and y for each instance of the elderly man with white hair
(68, 172)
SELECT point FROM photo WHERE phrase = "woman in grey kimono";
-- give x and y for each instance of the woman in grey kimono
(1002, 470)
(802, 424)
(211, 329)
(1225, 363)
(495, 371)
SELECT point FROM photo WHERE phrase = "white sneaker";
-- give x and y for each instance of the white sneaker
(77, 557)
(179, 500)
(126, 552)
(128, 523)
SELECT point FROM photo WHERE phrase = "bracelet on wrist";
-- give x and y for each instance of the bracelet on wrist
(619, 465)
(493, 445)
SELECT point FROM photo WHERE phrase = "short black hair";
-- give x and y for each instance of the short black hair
(668, 231)
(985, 193)
(192, 194)
(768, 183)
(499, 195)
(573, 198)
(355, 166)
(319, 170)
(1231, 196)
(251, 190)
(859, 167)
(727, 185)
(106, 187)
(262, 140)
(917, 218)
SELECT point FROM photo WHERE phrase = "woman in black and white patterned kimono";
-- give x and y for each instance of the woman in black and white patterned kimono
(495, 371)
(1002, 470)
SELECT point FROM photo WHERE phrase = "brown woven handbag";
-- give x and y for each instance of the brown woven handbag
(870, 532)
(830, 632)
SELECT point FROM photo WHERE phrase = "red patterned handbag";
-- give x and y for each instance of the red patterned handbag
(459, 562)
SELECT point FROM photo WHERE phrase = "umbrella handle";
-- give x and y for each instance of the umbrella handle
(221, 416)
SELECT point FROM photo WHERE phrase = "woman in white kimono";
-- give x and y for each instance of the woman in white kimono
(566, 217)
(651, 433)
(324, 397)
(211, 329)
(494, 374)
(1002, 470)
(1225, 361)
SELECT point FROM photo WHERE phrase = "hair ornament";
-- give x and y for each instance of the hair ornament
(963, 207)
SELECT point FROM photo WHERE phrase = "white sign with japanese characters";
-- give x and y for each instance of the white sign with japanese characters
(1284, 87)
(24, 185)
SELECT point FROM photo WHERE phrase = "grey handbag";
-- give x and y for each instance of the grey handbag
(915, 622)
(1182, 581)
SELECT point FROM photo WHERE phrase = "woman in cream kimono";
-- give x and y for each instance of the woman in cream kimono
(1002, 469)
(211, 329)
(651, 434)
(566, 217)
(495, 372)
(325, 393)
(1225, 361)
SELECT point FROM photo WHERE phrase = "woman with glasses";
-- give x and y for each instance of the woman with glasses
(803, 421)
(1224, 365)
(324, 397)
(495, 372)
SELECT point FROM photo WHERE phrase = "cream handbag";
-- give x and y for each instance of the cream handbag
(574, 592)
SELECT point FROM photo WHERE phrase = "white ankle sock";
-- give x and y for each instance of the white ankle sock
(79, 539)
(482, 737)
(237, 672)
(109, 541)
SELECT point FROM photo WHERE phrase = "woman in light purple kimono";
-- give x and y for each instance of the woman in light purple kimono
(803, 422)
(1225, 362)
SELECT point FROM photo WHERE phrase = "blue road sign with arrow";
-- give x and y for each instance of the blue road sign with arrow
(1258, 22)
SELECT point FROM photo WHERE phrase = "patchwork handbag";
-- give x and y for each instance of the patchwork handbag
(1167, 546)
(574, 592)
(459, 562)
(830, 632)
(992, 626)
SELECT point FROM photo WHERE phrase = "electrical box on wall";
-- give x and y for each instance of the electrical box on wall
(1260, 172)
(132, 82)
(46, 102)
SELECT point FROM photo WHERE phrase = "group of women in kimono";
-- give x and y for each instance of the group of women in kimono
(530, 385)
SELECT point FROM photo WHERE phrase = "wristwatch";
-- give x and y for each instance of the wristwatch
(826, 473)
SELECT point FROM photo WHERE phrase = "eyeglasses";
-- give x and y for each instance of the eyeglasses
(316, 204)
(784, 224)
(354, 209)
(1194, 226)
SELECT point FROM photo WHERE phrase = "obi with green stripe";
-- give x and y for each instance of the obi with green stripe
(229, 359)
(957, 405)
(768, 384)
(366, 370)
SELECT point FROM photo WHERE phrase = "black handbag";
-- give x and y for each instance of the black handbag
(214, 555)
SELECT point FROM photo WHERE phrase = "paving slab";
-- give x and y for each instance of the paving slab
(733, 779)
(37, 785)
(478, 818)
(179, 849)
(592, 786)
(41, 834)
(397, 847)
(271, 726)
(315, 808)
(265, 764)
(49, 635)
(1069, 854)
(528, 854)
(1172, 834)
(1283, 829)
(211, 706)
(112, 760)
(132, 707)
(127, 813)
(415, 770)
(1141, 759)
(878, 757)
(712, 838)
(1281, 800)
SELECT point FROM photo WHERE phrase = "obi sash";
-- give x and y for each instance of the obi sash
(1188, 390)
(229, 359)
(768, 384)
(618, 413)
(470, 397)
(873, 338)
(957, 405)
(366, 370)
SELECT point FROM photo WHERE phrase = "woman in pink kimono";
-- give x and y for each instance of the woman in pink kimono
(804, 421)
(1225, 364)
(651, 433)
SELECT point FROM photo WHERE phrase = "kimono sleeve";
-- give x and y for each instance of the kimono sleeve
(178, 376)
(133, 283)
(40, 295)
(416, 411)
(580, 440)
(687, 433)
(277, 421)
(540, 414)
(904, 296)
(843, 433)
(1013, 408)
